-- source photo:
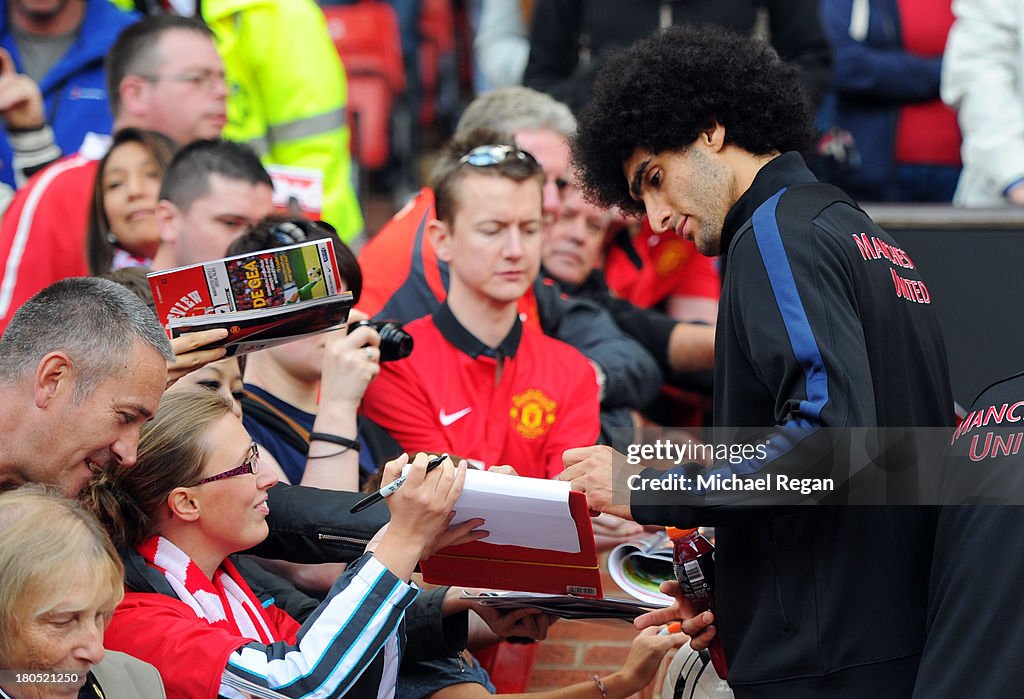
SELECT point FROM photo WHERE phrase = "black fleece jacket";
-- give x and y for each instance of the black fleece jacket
(824, 325)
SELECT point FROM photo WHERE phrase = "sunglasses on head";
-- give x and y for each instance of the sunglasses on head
(491, 155)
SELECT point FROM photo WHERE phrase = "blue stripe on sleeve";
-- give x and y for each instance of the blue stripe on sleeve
(794, 317)
(801, 339)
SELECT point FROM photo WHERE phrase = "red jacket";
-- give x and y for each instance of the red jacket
(648, 268)
(42, 234)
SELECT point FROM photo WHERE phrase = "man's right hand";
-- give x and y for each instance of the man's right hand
(697, 626)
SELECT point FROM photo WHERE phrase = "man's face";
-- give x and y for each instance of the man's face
(689, 191)
(103, 428)
(492, 246)
(204, 232)
(552, 152)
(186, 98)
(573, 241)
(40, 10)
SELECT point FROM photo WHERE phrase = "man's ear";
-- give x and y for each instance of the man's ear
(167, 217)
(441, 237)
(183, 505)
(713, 137)
(132, 92)
(55, 377)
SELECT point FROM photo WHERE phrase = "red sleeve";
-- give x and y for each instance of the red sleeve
(579, 418)
(287, 627)
(42, 234)
(699, 277)
(189, 653)
(387, 260)
(397, 401)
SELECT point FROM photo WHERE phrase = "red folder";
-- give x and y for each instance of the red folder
(479, 564)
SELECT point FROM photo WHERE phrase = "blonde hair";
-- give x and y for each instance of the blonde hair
(172, 453)
(44, 538)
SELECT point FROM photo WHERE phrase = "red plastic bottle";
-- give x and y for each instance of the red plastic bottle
(693, 561)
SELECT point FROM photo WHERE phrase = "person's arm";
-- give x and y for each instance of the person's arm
(578, 421)
(23, 114)
(802, 336)
(347, 371)
(981, 79)
(645, 656)
(632, 377)
(309, 525)
(501, 46)
(872, 68)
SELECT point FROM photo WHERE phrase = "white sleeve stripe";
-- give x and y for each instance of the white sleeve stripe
(348, 632)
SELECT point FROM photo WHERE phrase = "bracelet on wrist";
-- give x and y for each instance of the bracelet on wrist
(334, 439)
(600, 686)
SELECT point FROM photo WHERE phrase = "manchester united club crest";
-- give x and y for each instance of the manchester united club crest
(671, 255)
(532, 413)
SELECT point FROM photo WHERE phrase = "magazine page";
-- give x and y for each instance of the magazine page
(266, 279)
(564, 606)
(639, 567)
(258, 329)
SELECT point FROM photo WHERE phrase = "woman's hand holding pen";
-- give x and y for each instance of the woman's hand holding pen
(421, 510)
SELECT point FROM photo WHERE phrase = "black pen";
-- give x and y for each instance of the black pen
(393, 486)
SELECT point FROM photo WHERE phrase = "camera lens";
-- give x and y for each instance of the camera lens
(395, 343)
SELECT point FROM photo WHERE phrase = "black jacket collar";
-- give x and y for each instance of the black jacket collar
(465, 341)
(787, 169)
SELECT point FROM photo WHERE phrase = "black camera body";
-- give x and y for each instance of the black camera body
(395, 343)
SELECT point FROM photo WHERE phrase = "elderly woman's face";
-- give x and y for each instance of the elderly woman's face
(67, 638)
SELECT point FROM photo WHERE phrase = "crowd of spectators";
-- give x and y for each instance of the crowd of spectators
(168, 502)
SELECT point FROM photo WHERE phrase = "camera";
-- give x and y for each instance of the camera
(395, 343)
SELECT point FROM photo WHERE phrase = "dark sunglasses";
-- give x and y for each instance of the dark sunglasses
(250, 465)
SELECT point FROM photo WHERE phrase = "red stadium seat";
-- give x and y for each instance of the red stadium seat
(367, 38)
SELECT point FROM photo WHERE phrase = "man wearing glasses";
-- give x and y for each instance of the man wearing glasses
(480, 384)
(164, 74)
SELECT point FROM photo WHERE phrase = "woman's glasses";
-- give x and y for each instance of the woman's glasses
(250, 465)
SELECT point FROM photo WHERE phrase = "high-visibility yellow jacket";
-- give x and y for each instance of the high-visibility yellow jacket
(288, 93)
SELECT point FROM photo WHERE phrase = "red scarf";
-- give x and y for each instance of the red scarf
(226, 601)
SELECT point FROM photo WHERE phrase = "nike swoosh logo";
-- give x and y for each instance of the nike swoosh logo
(447, 419)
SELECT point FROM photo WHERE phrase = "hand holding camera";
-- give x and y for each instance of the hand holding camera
(395, 343)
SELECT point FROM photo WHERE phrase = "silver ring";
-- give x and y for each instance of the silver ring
(369, 353)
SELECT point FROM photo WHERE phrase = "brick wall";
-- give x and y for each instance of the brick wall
(576, 649)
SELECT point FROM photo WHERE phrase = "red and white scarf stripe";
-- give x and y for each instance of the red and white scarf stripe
(226, 601)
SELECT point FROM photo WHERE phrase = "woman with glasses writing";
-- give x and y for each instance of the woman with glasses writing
(197, 495)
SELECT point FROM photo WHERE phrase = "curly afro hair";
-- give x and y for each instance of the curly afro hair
(662, 91)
